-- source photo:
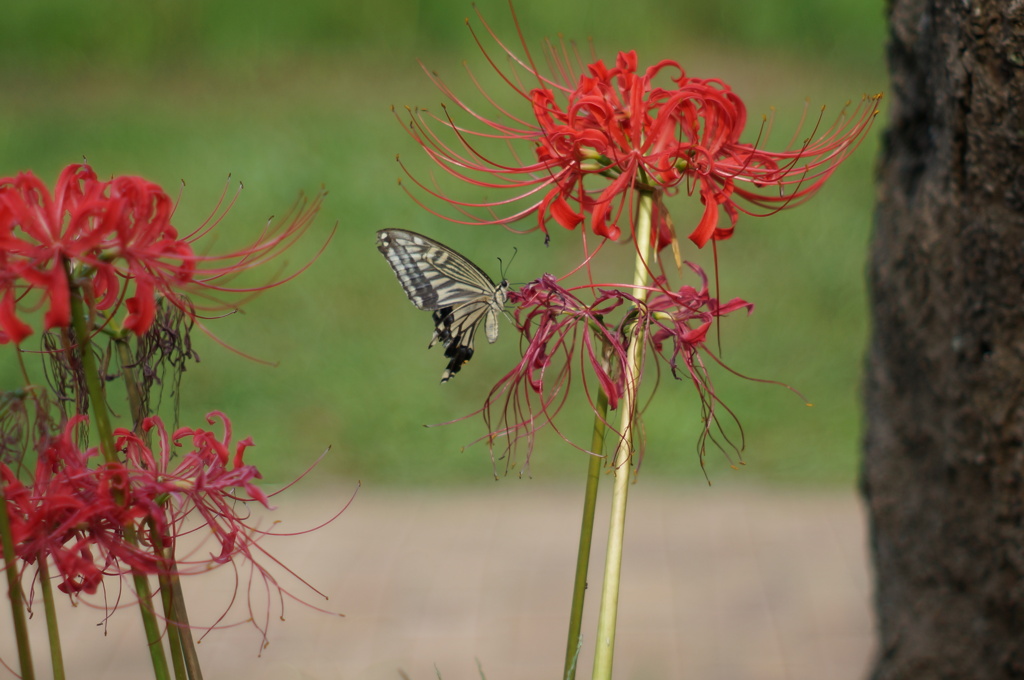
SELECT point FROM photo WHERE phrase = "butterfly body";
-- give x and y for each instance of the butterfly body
(440, 280)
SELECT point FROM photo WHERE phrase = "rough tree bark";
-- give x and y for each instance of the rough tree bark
(943, 472)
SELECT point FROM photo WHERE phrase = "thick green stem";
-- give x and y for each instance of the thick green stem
(173, 632)
(179, 633)
(605, 642)
(52, 627)
(188, 645)
(586, 537)
(14, 592)
(97, 399)
(157, 656)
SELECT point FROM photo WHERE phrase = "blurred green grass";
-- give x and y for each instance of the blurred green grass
(291, 96)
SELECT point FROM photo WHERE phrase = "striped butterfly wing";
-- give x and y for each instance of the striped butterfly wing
(440, 280)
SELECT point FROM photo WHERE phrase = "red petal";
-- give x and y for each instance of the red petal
(12, 329)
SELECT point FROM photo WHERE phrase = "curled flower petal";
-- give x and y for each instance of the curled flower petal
(116, 236)
(567, 339)
(599, 132)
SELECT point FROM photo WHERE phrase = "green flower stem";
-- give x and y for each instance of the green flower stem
(171, 608)
(52, 629)
(131, 384)
(173, 632)
(149, 623)
(97, 399)
(605, 642)
(179, 633)
(93, 382)
(184, 659)
(188, 645)
(14, 592)
(586, 537)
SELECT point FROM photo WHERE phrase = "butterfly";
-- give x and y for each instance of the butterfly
(440, 280)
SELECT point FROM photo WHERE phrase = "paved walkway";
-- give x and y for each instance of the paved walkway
(719, 584)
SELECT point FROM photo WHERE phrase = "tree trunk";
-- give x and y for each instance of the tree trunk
(943, 472)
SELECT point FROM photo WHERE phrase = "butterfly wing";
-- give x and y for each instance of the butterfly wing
(438, 279)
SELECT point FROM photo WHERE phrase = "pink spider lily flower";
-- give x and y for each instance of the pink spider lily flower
(117, 234)
(596, 134)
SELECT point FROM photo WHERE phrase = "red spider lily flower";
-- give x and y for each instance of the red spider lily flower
(204, 481)
(597, 133)
(553, 323)
(204, 493)
(12, 329)
(73, 515)
(682, 318)
(118, 235)
(78, 516)
(565, 337)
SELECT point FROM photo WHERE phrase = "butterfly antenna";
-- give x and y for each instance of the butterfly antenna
(501, 265)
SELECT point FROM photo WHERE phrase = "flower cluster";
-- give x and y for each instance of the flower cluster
(117, 235)
(556, 322)
(67, 513)
(601, 148)
(599, 133)
(605, 146)
(112, 274)
(553, 322)
(77, 515)
(682, 318)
